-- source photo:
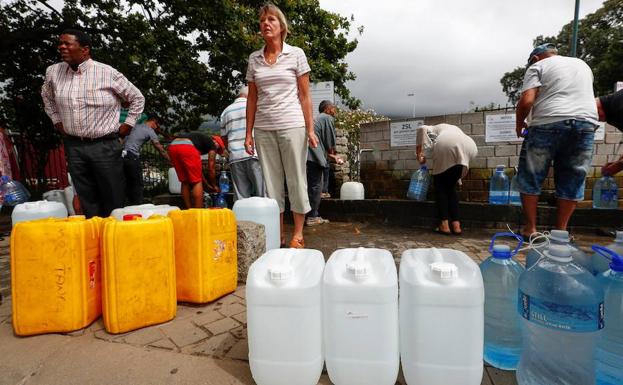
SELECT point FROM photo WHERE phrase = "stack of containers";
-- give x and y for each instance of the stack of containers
(284, 317)
(138, 272)
(441, 318)
(360, 290)
(55, 275)
(206, 262)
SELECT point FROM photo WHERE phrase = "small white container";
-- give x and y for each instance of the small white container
(352, 191)
(175, 186)
(264, 211)
(146, 210)
(284, 317)
(441, 318)
(360, 297)
(29, 211)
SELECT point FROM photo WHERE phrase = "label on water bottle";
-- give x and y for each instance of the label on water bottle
(572, 318)
(608, 195)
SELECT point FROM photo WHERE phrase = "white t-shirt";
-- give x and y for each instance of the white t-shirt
(565, 90)
(278, 104)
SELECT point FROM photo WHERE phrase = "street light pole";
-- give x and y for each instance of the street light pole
(413, 95)
(574, 38)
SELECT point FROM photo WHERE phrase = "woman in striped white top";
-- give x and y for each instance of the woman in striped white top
(279, 109)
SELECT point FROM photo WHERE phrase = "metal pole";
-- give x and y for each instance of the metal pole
(574, 38)
(413, 94)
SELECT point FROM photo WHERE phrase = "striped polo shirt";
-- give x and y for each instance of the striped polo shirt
(233, 126)
(278, 105)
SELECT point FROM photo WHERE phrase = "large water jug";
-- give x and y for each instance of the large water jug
(360, 297)
(223, 182)
(441, 318)
(284, 317)
(606, 193)
(558, 237)
(601, 264)
(609, 357)
(55, 274)
(514, 197)
(418, 187)
(12, 191)
(264, 211)
(37, 210)
(145, 210)
(175, 186)
(500, 274)
(561, 305)
(499, 187)
(352, 191)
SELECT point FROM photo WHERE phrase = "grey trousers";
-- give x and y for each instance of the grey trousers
(247, 178)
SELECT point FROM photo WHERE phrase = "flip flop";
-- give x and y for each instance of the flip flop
(297, 243)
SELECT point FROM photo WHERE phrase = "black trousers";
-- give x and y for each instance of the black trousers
(133, 179)
(446, 199)
(96, 169)
(314, 187)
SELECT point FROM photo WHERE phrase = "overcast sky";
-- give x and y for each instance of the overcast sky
(448, 52)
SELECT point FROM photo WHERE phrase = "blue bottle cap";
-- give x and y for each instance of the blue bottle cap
(4, 179)
(423, 167)
(501, 251)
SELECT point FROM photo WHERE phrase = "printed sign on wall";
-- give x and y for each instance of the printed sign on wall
(404, 133)
(501, 128)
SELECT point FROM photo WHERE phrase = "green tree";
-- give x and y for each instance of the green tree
(600, 45)
(187, 57)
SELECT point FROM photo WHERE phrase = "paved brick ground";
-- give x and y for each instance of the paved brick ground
(218, 330)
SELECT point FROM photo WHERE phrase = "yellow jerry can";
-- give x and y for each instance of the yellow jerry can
(55, 274)
(138, 273)
(205, 253)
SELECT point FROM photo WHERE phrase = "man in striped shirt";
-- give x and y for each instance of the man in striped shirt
(246, 171)
(83, 99)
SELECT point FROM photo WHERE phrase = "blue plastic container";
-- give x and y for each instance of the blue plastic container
(562, 310)
(418, 187)
(601, 263)
(609, 357)
(220, 201)
(559, 237)
(12, 191)
(499, 187)
(223, 182)
(500, 274)
(606, 193)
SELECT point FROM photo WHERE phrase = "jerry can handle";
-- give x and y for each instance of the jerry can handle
(606, 252)
(507, 234)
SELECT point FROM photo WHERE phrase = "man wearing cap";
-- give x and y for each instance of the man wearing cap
(140, 134)
(185, 152)
(610, 110)
(83, 98)
(557, 98)
(246, 171)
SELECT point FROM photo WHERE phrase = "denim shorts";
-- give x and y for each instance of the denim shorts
(569, 145)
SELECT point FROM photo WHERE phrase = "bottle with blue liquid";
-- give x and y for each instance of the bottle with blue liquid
(499, 187)
(601, 263)
(558, 237)
(220, 201)
(609, 356)
(418, 187)
(562, 310)
(12, 191)
(606, 193)
(500, 274)
(223, 182)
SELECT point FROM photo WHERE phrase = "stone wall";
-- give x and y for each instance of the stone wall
(386, 170)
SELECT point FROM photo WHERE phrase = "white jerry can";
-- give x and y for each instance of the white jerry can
(146, 210)
(264, 211)
(352, 191)
(29, 211)
(284, 317)
(175, 186)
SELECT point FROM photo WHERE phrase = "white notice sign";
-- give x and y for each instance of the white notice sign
(321, 91)
(501, 128)
(404, 133)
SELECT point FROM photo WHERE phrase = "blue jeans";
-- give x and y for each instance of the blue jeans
(569, 145)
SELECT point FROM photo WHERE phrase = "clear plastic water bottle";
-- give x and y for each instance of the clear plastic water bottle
(559, 237)
(562, 310)
(220, 201)
(609, 356)
(601, 264)
(514, 194)
(207, 200)
(500, 274)
(418, 187)
(13, 192)
(498, 187)
(223, 182)
(606, 193)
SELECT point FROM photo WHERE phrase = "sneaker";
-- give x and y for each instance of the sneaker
(325, 195)
(324, 220)
(313, 221)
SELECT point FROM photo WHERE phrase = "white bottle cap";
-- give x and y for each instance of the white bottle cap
(357, 269)
(445, 270)
(561, 236)
(619, 236)
(561, 253)
(280, 273)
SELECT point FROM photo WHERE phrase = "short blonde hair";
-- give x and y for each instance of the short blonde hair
(274, 10)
